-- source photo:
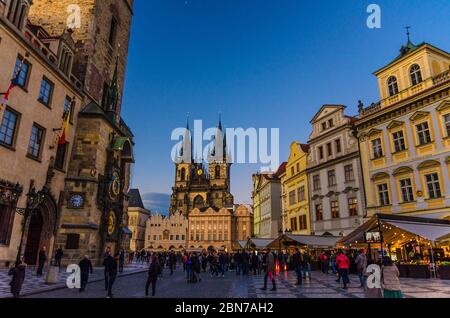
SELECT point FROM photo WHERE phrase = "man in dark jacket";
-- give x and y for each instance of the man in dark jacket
(58, 256)
(18, 277)
(153, 273)
(110, 265)
(41, 261)
(172, 262)
(121, 260)
(85, 269)
(306, 265)
(238, 262)
(298, 266)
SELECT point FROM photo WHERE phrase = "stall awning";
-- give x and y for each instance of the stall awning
(260, 244)
(430, 229)
(311, 241)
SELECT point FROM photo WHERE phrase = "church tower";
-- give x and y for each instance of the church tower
(198, 185)
(93, 213)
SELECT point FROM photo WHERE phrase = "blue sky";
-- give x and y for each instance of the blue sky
(262, 63)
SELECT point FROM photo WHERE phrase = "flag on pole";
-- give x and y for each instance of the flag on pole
(65, 130)
(14, 83)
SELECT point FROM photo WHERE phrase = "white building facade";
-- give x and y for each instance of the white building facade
(334, 174)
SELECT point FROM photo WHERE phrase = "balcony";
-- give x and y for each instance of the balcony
(406, 93)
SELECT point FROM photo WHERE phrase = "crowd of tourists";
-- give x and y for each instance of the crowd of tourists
(219, 263)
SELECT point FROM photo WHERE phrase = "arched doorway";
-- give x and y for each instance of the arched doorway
(34, 238)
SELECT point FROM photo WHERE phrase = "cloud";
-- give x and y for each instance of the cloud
(157, 202)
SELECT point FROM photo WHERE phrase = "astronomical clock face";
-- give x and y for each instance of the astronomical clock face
(115, 185)
(112, 221)
(76, 201)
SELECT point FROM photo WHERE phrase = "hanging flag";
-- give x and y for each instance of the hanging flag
(62, 140)
(65, 130)
(14, 83)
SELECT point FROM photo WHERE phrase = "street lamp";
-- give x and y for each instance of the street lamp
(34, 200)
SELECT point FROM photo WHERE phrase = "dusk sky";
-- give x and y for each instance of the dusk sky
(261, 63)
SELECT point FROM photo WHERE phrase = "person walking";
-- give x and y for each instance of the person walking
(85, 269)
(270, 270)
(307, 266)
(172, 262)
(42, 259)
(333, 262)
(298, 264)
(18, 278)
(361, 265)
(195, 268)
(121, 260)
(153, 273)
(58, 257)
(343, 265)
(238, 262)
(390, 279)
(110, 265)
(325, 262)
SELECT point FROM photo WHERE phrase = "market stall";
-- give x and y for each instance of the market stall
(313, 244)
(418, 245)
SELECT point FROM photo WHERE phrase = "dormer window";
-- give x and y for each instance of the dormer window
(416, 74)
(392, 86)
(17, 12)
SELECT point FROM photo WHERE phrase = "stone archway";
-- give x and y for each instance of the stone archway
(34, 238)
(39, 230)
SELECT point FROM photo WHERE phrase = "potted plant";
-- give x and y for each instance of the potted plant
(444, 270)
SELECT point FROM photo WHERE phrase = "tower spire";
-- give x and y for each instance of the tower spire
(408, 33)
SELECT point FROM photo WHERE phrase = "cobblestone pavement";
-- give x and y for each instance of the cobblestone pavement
(233, 286)
(34, 284)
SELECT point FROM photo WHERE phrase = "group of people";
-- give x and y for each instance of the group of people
(343, 263)
(340, 263)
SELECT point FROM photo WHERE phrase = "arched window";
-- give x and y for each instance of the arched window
(392, 86)
(416, 74)
(198, 202)
(183, 174)
(217, 172)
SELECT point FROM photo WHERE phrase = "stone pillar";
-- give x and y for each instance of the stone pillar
(411, 145)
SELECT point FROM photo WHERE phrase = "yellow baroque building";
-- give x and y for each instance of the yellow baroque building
(295, 194)
(405, 138)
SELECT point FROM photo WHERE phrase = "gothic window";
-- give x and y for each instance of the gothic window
(113, 31)
(17, 12)
(198, 202)
(183, 174)
(392, 86)
(217, 172)
(416, 74)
